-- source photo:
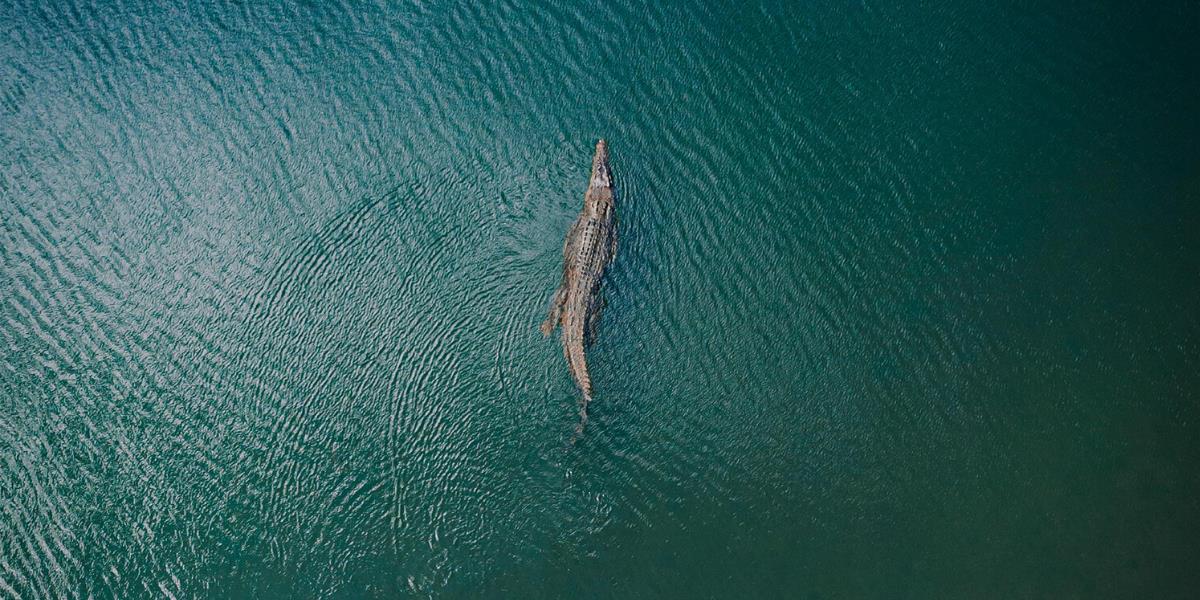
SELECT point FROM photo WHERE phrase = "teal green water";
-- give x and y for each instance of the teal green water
(905, 304)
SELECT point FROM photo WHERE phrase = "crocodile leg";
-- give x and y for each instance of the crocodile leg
(556, 309)
(560, 295)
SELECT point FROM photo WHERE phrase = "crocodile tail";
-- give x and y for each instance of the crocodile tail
(577, 361)
(583, 417)
(585, 386)
(573, 329)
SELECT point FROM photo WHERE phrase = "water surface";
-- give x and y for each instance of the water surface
(904, 305)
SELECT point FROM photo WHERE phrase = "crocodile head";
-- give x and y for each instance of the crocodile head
(599, 199)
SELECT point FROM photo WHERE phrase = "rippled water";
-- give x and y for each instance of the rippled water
(905, 303)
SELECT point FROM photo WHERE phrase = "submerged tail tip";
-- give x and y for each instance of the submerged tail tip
(582, 422)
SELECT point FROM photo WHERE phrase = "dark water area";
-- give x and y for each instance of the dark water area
(905, 304)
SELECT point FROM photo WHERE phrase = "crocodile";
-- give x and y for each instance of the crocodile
(590, 246)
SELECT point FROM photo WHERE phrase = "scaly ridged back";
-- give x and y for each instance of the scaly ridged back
(586, 253)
